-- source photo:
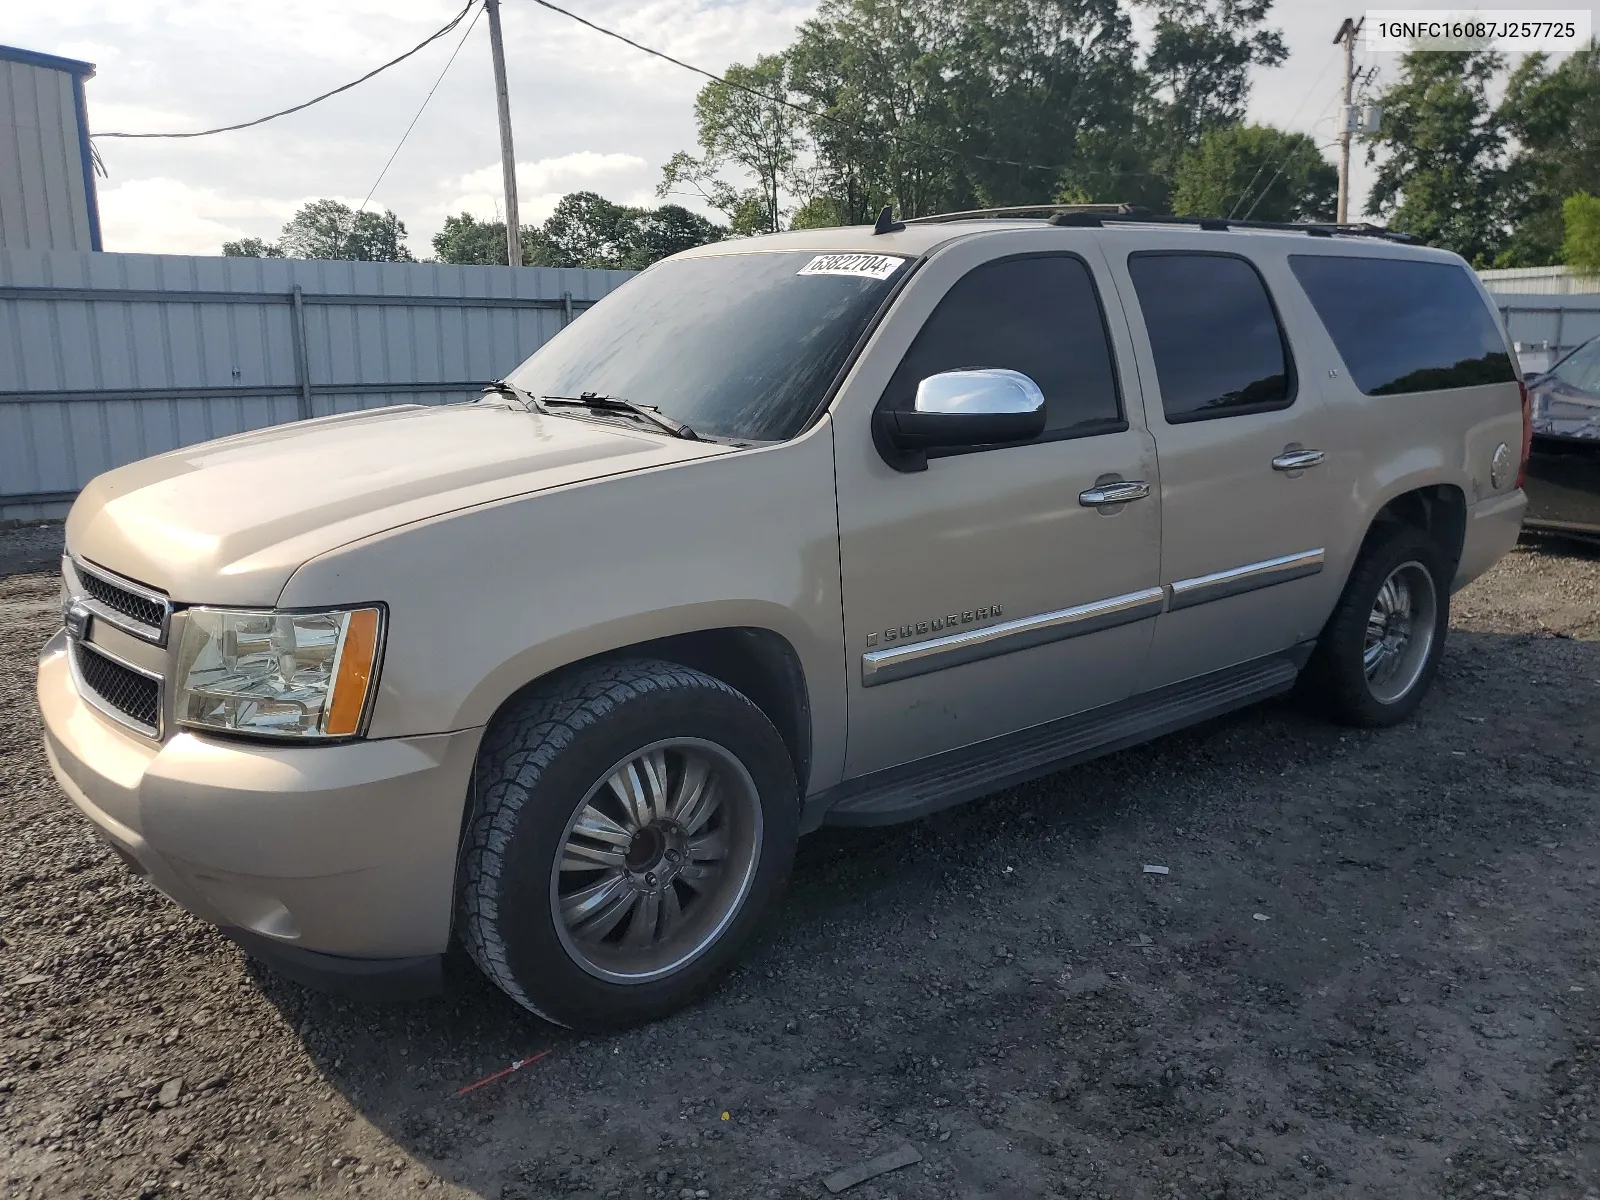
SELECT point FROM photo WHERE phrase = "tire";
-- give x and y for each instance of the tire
(588, 947)
(1337, 678)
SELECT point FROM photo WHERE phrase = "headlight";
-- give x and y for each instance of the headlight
(286, 674)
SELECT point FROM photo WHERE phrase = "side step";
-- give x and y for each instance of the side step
(906, 792)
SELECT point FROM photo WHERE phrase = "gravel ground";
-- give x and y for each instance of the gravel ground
(1371, 971)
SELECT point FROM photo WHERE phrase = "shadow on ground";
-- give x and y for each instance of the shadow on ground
(1371, 968)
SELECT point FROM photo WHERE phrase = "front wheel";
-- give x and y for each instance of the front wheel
(631, 824)
(1380, 650)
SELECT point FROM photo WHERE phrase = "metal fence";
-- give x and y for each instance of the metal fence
(1546, 327)
(108, 358)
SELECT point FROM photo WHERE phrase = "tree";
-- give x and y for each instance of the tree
(467, 241)
(1256, 171)
(1200, 60)
(251, 248)
(949, 104)
(1197, 78)
(329, 229)
(933, 105)
(1044, 91)
(1441, 179)
(660, 232)
(743, 122)
(1581, 245)
(586, 230)
(1552, 118)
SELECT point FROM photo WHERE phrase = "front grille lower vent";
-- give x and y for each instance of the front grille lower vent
(150, 613)
(137, 697)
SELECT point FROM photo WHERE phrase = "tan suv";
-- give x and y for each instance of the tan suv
(840, 526)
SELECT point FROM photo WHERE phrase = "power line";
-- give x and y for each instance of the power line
(1311, 91)
(448, 63)
(1309, 143)
(799, 108)
(430, 39)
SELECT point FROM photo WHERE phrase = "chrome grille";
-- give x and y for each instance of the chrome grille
(137, 608)
(131, 607)
(117, 689)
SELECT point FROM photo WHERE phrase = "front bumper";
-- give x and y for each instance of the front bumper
(320, 860)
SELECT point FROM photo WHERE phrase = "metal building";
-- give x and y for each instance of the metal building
(47, 199)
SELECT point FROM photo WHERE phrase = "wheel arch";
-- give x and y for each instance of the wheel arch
(1437, 509)
(759, 662)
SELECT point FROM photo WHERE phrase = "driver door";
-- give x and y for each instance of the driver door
(982, 595)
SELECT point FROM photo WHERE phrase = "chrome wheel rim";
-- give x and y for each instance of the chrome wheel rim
(656, 860)
(1400, 632)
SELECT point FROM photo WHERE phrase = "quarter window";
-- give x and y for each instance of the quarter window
(1405, 325)
(1218, 346)
(1038, 315)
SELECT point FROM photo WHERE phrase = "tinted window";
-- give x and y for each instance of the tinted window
(1219, 349)
(1403, 325)
(741, 346)
(1040, 316)
(1581, 368)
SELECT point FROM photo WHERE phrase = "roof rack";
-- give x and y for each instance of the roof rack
(1094, 216)
(1024, 210)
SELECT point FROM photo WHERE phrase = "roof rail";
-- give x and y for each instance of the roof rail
(1223, 224)
(1024, 210)
(1098, 215)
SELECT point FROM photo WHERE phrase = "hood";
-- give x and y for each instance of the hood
(227, 522)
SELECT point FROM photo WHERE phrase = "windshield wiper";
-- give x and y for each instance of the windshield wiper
(599, 403)
(528, 399)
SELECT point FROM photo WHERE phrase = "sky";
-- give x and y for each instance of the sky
(587, 112)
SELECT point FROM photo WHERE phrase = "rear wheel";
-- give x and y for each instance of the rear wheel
(631, 824)
(1380, 650)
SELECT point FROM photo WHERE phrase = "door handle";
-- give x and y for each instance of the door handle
(1297, 460)
(1119, 492)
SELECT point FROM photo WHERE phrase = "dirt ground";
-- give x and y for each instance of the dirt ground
(1371, 971)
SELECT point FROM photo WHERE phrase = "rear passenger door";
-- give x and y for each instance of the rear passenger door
(1247, 499)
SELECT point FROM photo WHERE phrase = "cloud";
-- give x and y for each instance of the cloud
(540, 184)
(168, 216)
(589, 113)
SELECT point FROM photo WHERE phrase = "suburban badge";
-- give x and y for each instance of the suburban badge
(936, 625)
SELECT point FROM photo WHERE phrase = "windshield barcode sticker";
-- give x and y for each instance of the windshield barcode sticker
(873, 266)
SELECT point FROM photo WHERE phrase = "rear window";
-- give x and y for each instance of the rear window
(1405, 326)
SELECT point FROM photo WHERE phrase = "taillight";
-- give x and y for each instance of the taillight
(1527, 432)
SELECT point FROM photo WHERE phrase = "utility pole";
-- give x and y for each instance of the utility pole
(508, 156)
(1347, 36)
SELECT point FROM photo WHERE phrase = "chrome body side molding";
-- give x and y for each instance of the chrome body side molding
(1202, 589)
(911, 659)
(919, 658)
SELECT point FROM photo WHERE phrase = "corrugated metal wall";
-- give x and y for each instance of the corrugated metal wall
(1546, 326)
(44, 203)
(1539, 281)
(108, 358)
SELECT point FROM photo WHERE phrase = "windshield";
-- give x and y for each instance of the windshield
(1581, 368)
(740, 346)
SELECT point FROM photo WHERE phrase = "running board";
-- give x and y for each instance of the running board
(916, 789)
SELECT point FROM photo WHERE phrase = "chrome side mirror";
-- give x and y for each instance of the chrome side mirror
(974, 407)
